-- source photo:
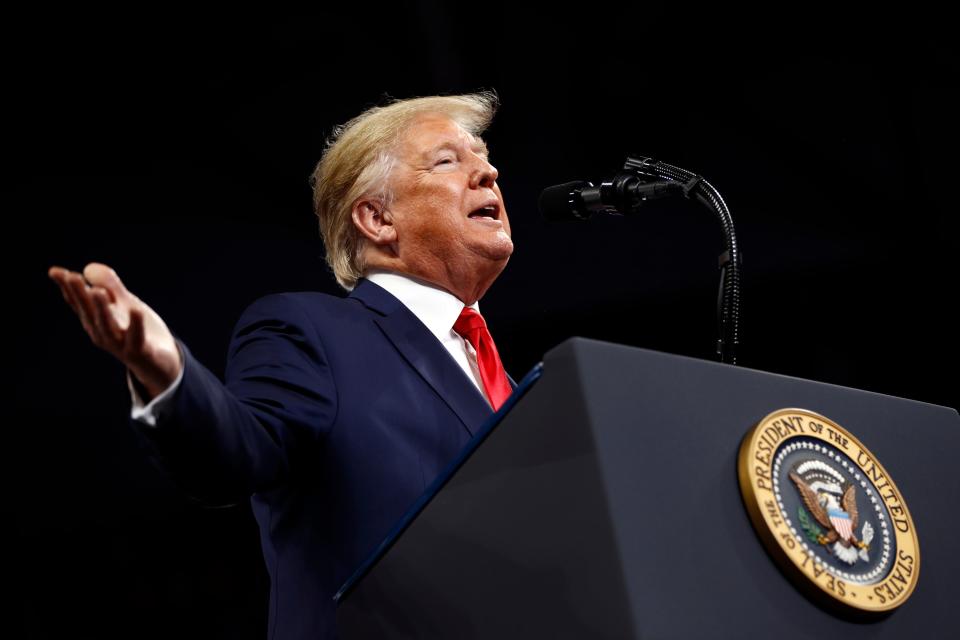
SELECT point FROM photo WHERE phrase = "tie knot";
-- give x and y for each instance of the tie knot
(468, 322)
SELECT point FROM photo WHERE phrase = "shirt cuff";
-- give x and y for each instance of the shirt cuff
(149, 414)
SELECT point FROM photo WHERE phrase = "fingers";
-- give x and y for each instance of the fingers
(92, 305)
(84, 301)
(103, 276)
(107, 321)
(96, 275)
(119, 323)
(59, 275)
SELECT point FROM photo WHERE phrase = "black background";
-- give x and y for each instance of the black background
(176, 148)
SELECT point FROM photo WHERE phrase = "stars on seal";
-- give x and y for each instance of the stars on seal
(846, 476)
(816, 508)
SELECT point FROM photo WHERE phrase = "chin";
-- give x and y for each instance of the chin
(502, 248)
(497, 250)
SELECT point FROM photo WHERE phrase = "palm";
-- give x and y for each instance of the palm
(121, 324)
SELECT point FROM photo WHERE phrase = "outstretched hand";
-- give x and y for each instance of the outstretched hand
(121, 324)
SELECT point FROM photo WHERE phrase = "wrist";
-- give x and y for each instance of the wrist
(155, 377)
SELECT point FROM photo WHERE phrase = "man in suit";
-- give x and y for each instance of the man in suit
(337, 413)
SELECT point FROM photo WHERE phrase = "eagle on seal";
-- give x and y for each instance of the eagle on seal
(833, 503)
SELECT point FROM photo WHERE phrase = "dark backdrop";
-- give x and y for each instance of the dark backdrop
(176, 148)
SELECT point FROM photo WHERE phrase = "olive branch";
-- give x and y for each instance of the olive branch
(810, 528)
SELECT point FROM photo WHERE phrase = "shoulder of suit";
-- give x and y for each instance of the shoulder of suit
(309, 304)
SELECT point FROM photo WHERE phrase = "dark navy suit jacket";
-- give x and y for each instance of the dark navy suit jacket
(335, 416)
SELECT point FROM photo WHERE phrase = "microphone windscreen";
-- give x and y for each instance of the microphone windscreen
(557, 202)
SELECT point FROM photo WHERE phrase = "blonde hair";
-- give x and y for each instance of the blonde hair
(358, 160)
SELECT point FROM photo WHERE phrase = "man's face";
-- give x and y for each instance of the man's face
(447, 209)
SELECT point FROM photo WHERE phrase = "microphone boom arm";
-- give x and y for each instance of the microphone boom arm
(730, 260)
(645, 179)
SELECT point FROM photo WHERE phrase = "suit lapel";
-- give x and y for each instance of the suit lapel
(425, 354)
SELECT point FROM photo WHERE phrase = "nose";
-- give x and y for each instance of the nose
(485, 174)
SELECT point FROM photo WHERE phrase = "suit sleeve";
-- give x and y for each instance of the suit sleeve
(224, 442)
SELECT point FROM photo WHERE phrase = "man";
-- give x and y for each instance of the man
(337, 412)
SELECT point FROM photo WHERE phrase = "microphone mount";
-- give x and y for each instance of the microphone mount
(644, 179)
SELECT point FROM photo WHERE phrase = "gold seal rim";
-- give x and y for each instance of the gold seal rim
(786, 556)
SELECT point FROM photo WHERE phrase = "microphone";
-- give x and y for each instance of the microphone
(640, 181)
(624, 194)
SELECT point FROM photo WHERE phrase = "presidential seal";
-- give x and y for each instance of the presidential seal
(828, 512)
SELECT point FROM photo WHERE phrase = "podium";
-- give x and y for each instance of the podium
(604, 503)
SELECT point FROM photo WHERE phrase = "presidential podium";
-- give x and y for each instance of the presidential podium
(604, 503)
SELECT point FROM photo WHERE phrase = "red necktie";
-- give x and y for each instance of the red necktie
(471, 326)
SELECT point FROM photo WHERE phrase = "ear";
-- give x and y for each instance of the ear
(374, 221)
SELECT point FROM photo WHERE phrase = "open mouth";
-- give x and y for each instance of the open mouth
(490, 212)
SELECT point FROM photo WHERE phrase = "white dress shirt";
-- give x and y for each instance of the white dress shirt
(436, 308)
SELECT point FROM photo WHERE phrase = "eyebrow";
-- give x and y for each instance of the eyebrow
(478, 146)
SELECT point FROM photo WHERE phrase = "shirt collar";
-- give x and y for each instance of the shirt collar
(434, 307)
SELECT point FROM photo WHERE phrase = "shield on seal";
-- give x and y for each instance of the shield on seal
(841, 522)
